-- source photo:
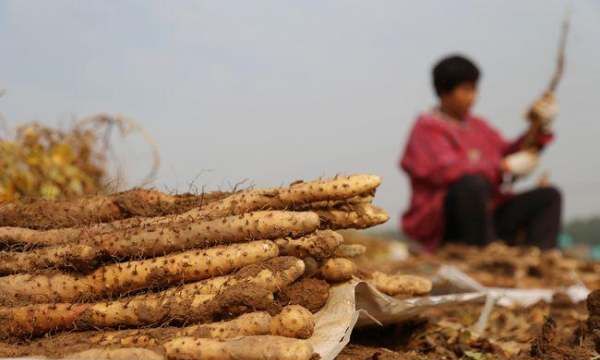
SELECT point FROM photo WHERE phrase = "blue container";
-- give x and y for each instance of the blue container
(565, 240)
(596, 252)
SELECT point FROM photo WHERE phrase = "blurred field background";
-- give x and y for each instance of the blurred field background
(277, 90)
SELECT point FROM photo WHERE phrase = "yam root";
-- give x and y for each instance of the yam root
(334, 204)
(75, 256)
(175, 304)
(117, 279)
(34, 320)
(292, 197)
(152, 241)
(260, 347)
(272, 275)
(360, 216)
(350, 250)
(393, 285)
(254, 323)
(293, 321)
(16, 238)
(47, 214)
(133, 353)
(309, 293)
(297, 194)
(338, 270)
(311, 266)
(319, 245)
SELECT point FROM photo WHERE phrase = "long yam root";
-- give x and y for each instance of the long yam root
(260, 347)
(334, 204)
(273, 274)
(34, 320)
(296, 195)
(117, 279)
(47, 214)
(254, 347)
(76, 257)
(293, 321)
(170, 235)
(44, 214)
(360, 216)
(253, 323)
(152, 241)
(133, 353)
(319, 245)
(171, 304)
(16, 238)
(291, 197)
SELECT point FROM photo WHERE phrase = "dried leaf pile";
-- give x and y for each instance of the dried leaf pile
(211, 276)
(544, 331)
(499, 265)
(557, 330)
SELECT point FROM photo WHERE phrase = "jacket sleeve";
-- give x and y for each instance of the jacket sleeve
(508, 147)
(431, 157)
(511, 147)
(505, 146)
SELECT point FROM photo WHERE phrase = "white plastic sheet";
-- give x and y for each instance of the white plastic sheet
(459, 281)
(356, 303)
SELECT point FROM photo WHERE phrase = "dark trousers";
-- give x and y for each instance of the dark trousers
(529, 218)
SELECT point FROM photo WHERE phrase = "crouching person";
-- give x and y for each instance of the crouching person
(457, 164)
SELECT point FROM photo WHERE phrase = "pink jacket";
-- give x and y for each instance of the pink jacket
(440, 152)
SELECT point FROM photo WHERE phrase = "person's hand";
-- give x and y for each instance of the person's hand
(521, 163)
(543, 111)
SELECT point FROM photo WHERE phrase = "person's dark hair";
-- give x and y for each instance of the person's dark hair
(452, 71)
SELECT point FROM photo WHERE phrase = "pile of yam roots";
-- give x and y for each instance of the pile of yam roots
(212, 276)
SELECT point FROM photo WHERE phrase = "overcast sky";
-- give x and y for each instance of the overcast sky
(274, 91)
